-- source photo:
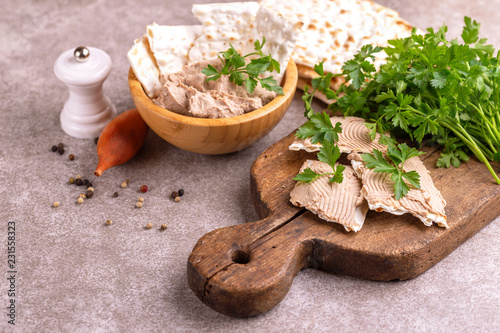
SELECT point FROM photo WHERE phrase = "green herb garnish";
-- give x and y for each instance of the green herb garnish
(432, 87)
(398, 155)
(240, 72)
(320, 129)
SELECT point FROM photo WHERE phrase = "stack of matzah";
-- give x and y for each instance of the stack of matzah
(335, 30)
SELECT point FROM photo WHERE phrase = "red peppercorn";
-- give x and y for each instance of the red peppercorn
(144, 188)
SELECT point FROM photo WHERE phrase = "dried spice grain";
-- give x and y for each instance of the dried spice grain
(60, 151)
(149, 225)
(181, 192)
(53, 148)
(116, 194)
(79, 200)
(141, 199)
(60, 145)
(71, 180)
(163, 226)
(85, 181)
(109, 222)
(89, 194)
(143, 189)
(177, 199)
(123, 185)
(71, 157)
(56, 204)
(138, 204)
(174, 194)
(79, 182)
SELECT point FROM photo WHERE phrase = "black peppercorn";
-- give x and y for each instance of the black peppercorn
(54, 148)
(89, 194)
(90, 185)
(116, 194)
(60, 151)
(60, 145)
(181, 192)
(174, 194)
(78, 181)
(85, 182)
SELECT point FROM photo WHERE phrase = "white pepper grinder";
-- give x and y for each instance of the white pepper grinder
(87, 110)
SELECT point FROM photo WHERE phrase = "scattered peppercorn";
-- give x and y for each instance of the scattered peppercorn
(56, 204)
(78, 177)
(109, 222)
(53, 148)
(116, 194)
(90, 188)
(138, 204)
(149, 225)
(181, 192)
(143, 189)
(85, 182)
(83, 196)
(127, 181)
(79, 182)
(89, 185)
(163, 226)
(174, 194)
(71, 180)
(96, 140)
(123, 185)
(89, 194)
(177, 199)
(141, 199)
(79, 200)
(60, 151)
(60, 145)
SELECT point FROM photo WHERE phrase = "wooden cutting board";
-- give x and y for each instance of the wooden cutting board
(247, 269)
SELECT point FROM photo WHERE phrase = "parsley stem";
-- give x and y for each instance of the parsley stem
(472, 146)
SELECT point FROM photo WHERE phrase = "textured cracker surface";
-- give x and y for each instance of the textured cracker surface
(75, 274)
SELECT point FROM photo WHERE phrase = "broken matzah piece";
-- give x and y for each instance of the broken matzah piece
(426, 203)
(355, 137)
(281, 35)
(223, 24)
(341, 203)
(170, 45)
(144, 66)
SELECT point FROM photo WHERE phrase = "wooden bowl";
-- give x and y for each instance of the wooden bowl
(214, 136)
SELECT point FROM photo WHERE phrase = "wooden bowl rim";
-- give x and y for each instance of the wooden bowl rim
(290, 77)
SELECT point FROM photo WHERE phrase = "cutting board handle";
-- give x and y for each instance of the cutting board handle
(246, 269)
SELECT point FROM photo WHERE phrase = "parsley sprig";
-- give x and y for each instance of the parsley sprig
(240, 72)
(320, 129)
(398, 155)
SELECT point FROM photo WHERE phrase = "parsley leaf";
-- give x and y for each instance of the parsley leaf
(241, 73)
(397, 155)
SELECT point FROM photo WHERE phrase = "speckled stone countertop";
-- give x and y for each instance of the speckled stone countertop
(75, 274)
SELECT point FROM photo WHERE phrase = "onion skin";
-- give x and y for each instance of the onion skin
(120, 140)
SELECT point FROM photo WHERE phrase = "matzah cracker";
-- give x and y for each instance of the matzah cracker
(335, 30)
(171, 44)
(281, 35)
(223, 24)
(143, 64)
(341, 203)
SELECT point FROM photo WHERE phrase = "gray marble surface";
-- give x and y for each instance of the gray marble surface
(74, 274)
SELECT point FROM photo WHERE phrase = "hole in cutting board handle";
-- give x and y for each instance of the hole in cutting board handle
(241, 257)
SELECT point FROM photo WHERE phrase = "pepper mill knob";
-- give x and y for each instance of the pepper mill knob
(87, 110)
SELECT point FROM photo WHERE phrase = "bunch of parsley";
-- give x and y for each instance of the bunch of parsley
(430, 86)
(240, 72)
